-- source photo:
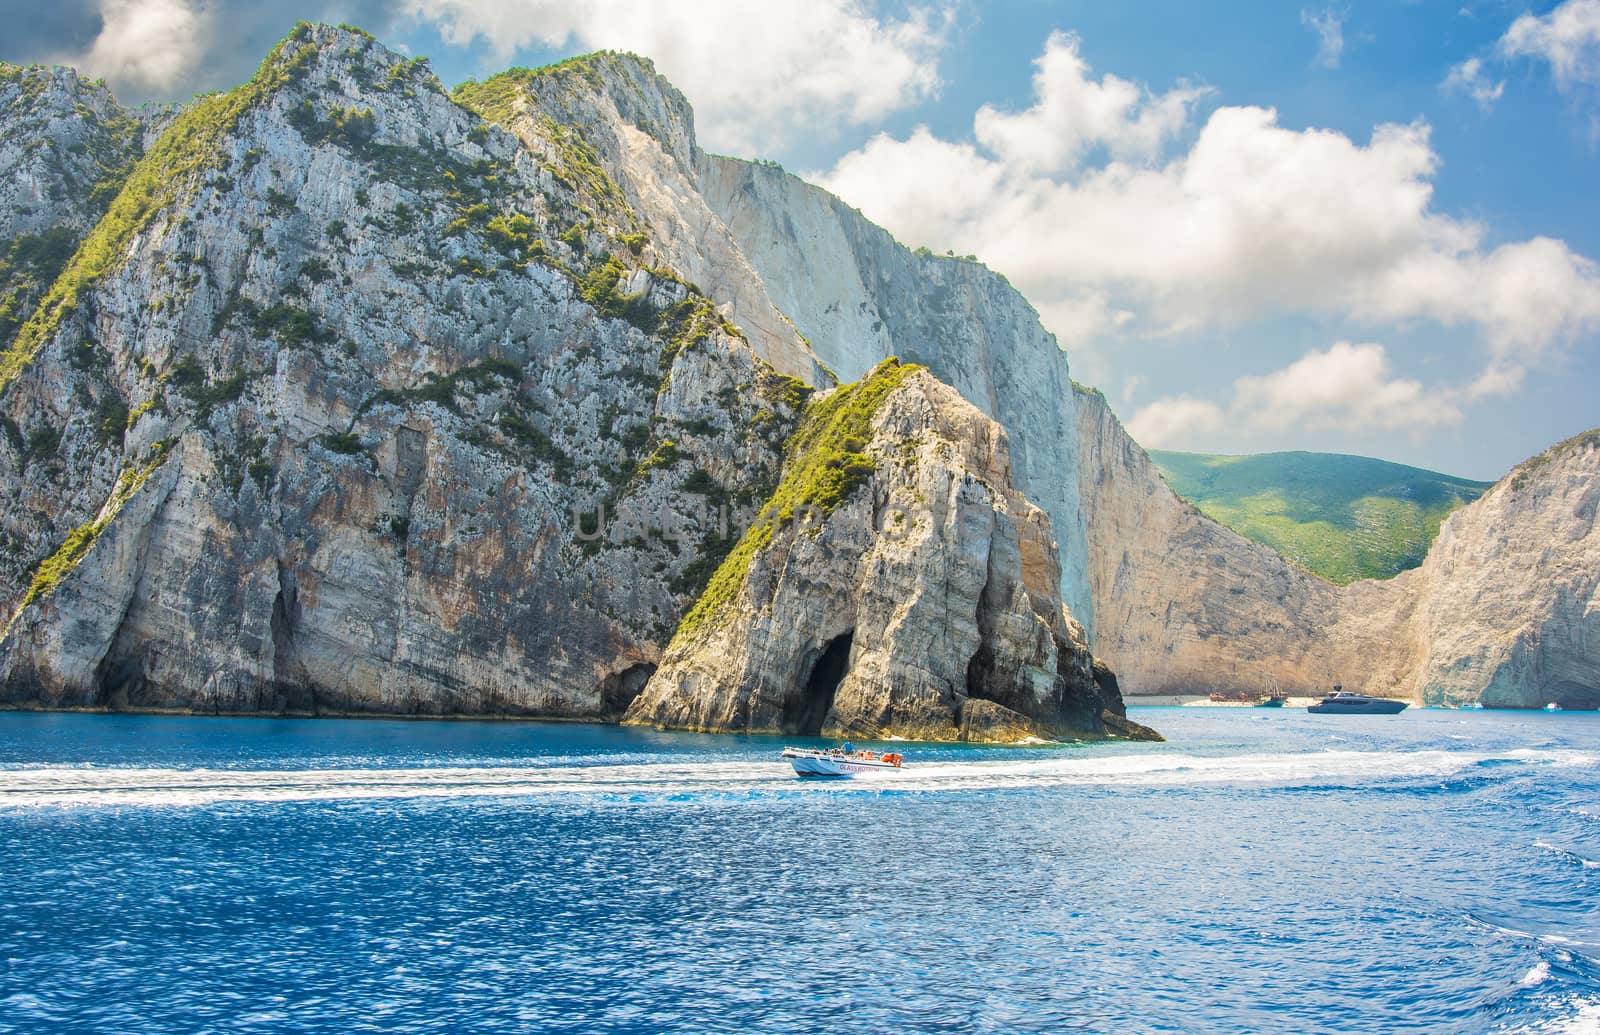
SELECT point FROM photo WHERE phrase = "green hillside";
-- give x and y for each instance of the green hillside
(1342, 517)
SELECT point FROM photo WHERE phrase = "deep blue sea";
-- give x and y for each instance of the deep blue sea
(1261, 871)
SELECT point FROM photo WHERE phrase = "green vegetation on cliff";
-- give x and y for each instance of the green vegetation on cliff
(1341, 517)
(190, 146)
(824, 462)
(60, 564)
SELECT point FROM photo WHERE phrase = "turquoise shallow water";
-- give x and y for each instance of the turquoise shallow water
(1433, 871)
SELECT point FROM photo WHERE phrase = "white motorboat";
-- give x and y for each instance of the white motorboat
(839, 761)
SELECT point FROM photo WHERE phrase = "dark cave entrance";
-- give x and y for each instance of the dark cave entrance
(618, 690)
(805, 711)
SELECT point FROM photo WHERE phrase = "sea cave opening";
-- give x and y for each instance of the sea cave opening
(618, 689)
(806, 710)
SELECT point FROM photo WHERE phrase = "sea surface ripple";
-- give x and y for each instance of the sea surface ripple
(1432, 871)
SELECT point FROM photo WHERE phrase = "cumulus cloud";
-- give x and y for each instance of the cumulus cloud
(1347, 388)
(1469, 78)
(755, 72)
(1568, 38)
(1329, 27)
(1074, 113)
(1253, 219)
(1174, 422)
(150, 45)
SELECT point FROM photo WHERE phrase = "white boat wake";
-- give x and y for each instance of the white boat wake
(131, 786)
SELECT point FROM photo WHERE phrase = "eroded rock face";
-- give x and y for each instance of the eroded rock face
(366, 358)
(859, 296)
(925, 604)
(1508, 609)
(68, 145)
(324, 414)
(820, 292)
(1502, 612)
(318, 412)
(1185, 604)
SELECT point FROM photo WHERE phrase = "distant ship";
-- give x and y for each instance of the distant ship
(1343, 702)
(843, 761)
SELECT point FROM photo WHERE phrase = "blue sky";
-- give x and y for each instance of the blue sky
(1366, 227)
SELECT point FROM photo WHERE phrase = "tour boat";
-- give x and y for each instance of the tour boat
(840, 761)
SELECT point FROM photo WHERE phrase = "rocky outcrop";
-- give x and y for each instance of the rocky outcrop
(316, 393)
(351, 402)
(1502, 612)
(67, 148)
(898, 584)
(859, 295)
(324, 413)
(820, 292)
(1508, 601)
(1186, 604)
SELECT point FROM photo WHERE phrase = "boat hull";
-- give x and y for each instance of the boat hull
(1373, 707)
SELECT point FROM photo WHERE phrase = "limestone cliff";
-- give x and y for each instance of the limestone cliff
(66, 149)
(1502, 612)
(1508, 601)
(896, 583)
(314, 394)
(322, 414)
(1186, 604)
(348, 400)
(820, 292)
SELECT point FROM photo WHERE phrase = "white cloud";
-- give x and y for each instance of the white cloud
(148, 45)
(1253, 219)
(756, 72)
(1468, 78)
(1495, 380)
(1568, 38)
(1073, 114)
(1329, 27)
(1346, 388)
(1174, 422)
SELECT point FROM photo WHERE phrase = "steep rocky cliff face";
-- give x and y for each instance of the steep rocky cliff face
(820, 292)
(66, 150)
(1185, 603)
(305, 421)
(897, 582)
(350, 400)
(1508, 608)
(1502, 612)
(859, 295)
(338, 392)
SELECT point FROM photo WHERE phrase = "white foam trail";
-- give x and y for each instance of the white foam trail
(59, 786)
(1567, 854)
(1583, 1018)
